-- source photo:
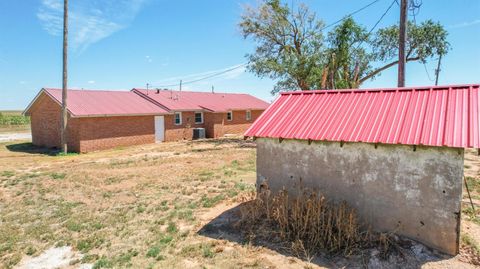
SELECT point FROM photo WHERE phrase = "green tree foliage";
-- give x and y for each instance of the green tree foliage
(292, 50)
(290, 46)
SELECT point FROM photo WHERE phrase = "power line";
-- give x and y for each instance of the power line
(426, 71)
(242, 65)
(378, 22)
(203, 78)
(349, 15)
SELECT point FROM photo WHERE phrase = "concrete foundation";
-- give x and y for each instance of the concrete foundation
(414, 193)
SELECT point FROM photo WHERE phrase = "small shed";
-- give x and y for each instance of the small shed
(395, 155)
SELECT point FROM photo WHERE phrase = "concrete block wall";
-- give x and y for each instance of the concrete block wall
(416, 194)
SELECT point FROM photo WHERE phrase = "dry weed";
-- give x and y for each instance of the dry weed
(310, 223)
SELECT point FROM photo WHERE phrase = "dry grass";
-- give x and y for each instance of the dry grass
(134, 207)
(138, 207)
(311, 224)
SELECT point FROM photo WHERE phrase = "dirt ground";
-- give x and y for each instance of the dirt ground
(155, 206)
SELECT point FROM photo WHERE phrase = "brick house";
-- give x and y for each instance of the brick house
(100, 120)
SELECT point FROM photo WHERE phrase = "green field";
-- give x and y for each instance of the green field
(13, 121)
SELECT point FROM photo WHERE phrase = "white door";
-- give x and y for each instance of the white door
(159, 129)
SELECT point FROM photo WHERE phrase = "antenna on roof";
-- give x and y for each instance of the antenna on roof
(213, 89)
(147, 87)
(180, 85)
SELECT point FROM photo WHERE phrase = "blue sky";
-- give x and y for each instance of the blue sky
(121, 44)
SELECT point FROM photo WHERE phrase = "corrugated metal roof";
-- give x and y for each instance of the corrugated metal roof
(85, 103)
(433, 116)
(215, 102)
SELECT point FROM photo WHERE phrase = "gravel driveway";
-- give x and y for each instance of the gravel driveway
(15, 136)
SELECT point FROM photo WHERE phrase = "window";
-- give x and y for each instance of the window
(229, 115)
(198, 117)
(178, 118)
(249, 115)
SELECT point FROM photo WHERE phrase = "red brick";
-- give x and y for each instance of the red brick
(98, 133)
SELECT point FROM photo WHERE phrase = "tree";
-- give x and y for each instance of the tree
(289, 45)
(348, 61)
(291, 48)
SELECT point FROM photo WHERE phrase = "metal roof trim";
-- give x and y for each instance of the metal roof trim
(418, 88)
(444, 116)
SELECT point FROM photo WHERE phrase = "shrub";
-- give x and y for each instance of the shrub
(309, 221)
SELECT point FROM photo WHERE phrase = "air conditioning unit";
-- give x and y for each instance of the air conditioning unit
(198, 133)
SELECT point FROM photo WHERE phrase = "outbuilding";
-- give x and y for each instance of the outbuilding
(395, 155)
(99, 119)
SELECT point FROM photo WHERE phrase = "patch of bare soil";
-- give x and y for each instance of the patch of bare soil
(405, 254)
(53, 258)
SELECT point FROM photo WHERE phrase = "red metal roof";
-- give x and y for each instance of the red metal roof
(85, 103)
(433, 116)
(215, 102)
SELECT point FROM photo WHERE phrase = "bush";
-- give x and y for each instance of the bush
(13, 120)
(308, 222)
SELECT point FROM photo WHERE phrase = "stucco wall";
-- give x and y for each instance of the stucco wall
(393, 188)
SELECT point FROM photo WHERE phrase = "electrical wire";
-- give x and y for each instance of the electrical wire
(203, 78)
(349, 15)
(378, 22)
(243, 65)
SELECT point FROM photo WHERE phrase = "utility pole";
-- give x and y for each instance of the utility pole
(180, 85)
(437, 71)
(64, 116)
(401, 43)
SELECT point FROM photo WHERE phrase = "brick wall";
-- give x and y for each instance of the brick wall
(98, 133)
(185, 130)
(45, 122)
(215, 124)
(239, 124)
(87, 134)
(110, 132)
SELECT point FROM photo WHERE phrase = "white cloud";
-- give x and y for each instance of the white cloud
(22, 82)
(89, 20)
(149, 59)
(91, 82)
(465, 24)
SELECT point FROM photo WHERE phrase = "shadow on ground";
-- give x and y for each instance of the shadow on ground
(237, 142)
(32, 149)
(406, 253)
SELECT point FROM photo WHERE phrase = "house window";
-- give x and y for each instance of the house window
(178, 118)
(229, 115)
(249, 115)
(198, 117)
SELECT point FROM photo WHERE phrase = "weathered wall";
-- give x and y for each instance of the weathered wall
(393, 188)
